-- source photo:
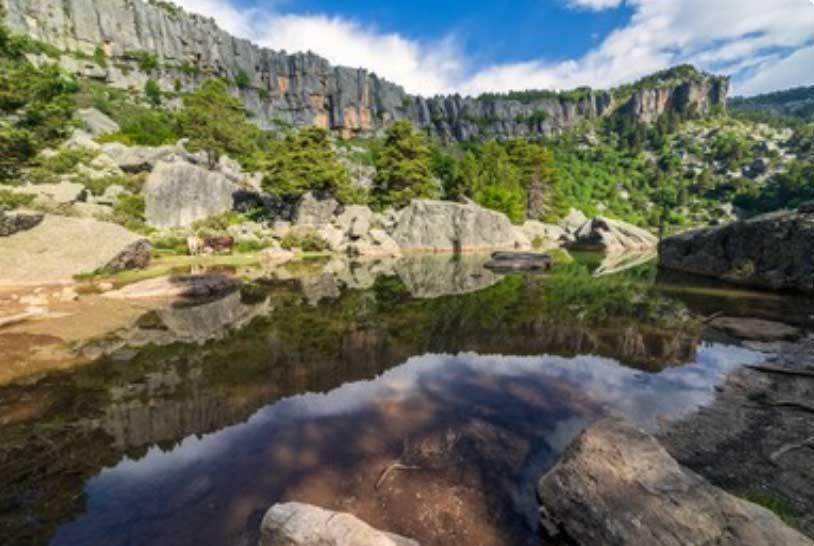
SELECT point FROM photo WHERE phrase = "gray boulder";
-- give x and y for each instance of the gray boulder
(97, 123)
(444, 226)
(137, 159)
(573, 221)
(315, 210)
(298, 524)
(545, 235)
(772, 251)
(60, 247)
(58, 193)
(602, 234)
(17, 221)
(177, 194)
(617, 486)
(177, 288)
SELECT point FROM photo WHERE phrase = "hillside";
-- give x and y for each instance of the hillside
(789, 106)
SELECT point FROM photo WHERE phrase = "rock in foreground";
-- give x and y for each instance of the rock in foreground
(444, 226)
(60, 247)
(297, 524)
(602, 234)
(617, 486)
(771, 251)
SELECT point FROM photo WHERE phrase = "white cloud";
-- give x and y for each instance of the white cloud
(764, 44)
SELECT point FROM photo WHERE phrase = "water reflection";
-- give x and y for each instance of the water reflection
(310, 382)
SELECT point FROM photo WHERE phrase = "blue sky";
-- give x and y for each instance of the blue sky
(473, 46)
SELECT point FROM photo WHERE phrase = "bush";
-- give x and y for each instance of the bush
(98, 186)
(11, 200)
(152, 91)
(100, 57)
(17, 147)
(305, 240)
(242, 80)
(218, 223)
(129, 212)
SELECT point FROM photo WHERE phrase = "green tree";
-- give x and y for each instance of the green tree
(403, 168)
(498, 185)
(537, 177)
(153, 92)
(242, 80)
(306, 161)
(217, 123)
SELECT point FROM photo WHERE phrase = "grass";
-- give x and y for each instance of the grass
(774, 503)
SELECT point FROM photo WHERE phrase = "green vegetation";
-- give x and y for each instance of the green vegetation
(534, 95)
(780, 506)
(152, 91)
(242, 80)
(146, 61)
(787, 189)
(403, 168)
(784, 108)
(306, 240)
(10, 200)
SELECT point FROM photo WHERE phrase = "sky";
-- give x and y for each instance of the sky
(469, 47)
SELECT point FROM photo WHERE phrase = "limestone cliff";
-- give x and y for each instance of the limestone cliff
(302, 88)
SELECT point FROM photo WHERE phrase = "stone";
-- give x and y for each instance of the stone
(81, 140)
(574, 220)
(355, 221)
(177, 194)
(177, 288)
(617, 486)
(59, 193)
(276, 255)
(298, 524)
(91, 210)
(755, 329)
(519, 261)
(97, 123)
(331, 235)
(137, 159)
(60, 247)
(444, 226)
(247, 232)
(17, 221)
(545, 235)
(772, 251)
(280, 228)
(111, 195)
(612, 236)
(315, 210)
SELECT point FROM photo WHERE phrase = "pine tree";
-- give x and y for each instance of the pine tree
(403, 168)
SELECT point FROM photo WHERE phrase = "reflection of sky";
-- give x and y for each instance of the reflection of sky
(640, 396)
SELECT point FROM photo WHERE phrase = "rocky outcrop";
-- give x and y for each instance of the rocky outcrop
(60, 247)
(137, 159)
(304, 89)
(56, 193)
(178, 193)
(315, 210)
(17, 221)
(602, 234)
(617, 486)
(445, 226)
(771, 251)
(96, 122)
(298, 524)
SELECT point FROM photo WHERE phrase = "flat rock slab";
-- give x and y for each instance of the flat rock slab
(177, 288)
(297, 524)
(60, 247)
(617, 486)
(755, 329)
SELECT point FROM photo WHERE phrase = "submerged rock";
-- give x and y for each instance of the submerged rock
(772, 251)
(298, 524)
(602, 234)
(617, 486)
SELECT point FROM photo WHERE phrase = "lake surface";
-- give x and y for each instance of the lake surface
(425, 395)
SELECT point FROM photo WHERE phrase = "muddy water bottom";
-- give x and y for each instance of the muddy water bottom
(444, 448)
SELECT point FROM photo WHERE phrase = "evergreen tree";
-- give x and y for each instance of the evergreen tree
(216, 122)
(497, 184)
(153, 92)
(403, 168)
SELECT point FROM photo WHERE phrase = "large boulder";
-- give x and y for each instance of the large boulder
(96, 122)
(298, 524)
(182, 287)
(772, 251)
(58, 193)
(544, 236)
(574, 220)
(602, 234)
(445, 226)
(178, 193)
(136, 159)
(617, 486)
(60, 247)
(315, 210)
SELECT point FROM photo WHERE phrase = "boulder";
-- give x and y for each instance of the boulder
(97, 123)
(772, 251)
(298, 524)
(60, 247)
(574, 220)
(545, 235)
(177, 194)
(355, 221)
(445, 226)
(276, 255)
(177, 288)
(617, 486)
(602, 234)
(136, 159)
(755, 329)
(519, 261)
(59, 193)
(331, 235)
(17, 221)
(315, 210)
(82, 140)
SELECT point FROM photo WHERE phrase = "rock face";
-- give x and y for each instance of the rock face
(303, 89)
(314, 210)
(177, 194)
(297, 524)
(60, 247)
(612, 236)
(444, 226)
(617, 486)
(773, 251)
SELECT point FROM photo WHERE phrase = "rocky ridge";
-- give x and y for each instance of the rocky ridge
(305, 89)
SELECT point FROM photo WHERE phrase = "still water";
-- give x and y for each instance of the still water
(427, 396)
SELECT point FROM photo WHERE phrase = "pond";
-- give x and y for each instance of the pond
(426, 395)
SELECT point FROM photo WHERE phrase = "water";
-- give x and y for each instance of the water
(426, 396)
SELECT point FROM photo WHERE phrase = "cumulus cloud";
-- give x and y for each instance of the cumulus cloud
(765, 45)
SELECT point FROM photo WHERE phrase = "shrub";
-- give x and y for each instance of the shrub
(306, 240)
(129, 212)
(98, 186)
(242, 80)
(100, 57)
(17, 147)
(10, 200)
(152, 91)
(218, 223)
